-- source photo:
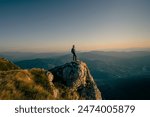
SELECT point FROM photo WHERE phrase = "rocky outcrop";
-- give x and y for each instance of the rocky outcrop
(71, 81)
(76, 76)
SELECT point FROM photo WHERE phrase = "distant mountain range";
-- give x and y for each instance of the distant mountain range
(17, 56)
(119, 75)
(107, 64)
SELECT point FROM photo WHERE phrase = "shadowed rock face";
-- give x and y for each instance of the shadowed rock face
(77, 77)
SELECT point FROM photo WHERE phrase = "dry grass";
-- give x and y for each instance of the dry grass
(33, 84)
(21, 84)
(6, 65)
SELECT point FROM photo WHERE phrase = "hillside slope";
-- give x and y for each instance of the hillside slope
(6, 65)
(69, 81)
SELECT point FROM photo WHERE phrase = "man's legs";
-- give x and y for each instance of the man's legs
(74, 57)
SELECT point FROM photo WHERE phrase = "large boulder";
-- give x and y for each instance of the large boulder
(77, 77)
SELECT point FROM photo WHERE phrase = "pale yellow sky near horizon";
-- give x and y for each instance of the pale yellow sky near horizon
(56, 26)
(84, 46)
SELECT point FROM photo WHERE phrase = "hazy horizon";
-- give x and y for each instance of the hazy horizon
(80, 51)
(54, 26)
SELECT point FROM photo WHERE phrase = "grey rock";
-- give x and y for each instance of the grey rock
(50, 76)
(76, 76)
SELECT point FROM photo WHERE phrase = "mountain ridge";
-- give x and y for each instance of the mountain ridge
(37, 83)
(6, 65)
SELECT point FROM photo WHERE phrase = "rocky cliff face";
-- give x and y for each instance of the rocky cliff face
(76, 76)
(70, 81)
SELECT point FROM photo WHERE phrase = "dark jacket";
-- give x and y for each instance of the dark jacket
(73, 50)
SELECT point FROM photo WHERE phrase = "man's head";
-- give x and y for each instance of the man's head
(73, 46)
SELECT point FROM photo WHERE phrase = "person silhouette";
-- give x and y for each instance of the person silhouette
(73, 51)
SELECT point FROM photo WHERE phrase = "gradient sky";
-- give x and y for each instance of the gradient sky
(54, 25)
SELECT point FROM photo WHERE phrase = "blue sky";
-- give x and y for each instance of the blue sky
(55, 25)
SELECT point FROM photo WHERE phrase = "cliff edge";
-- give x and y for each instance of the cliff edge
(76, 76)
(71, 81)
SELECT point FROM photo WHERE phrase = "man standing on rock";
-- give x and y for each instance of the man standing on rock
(73, 51)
